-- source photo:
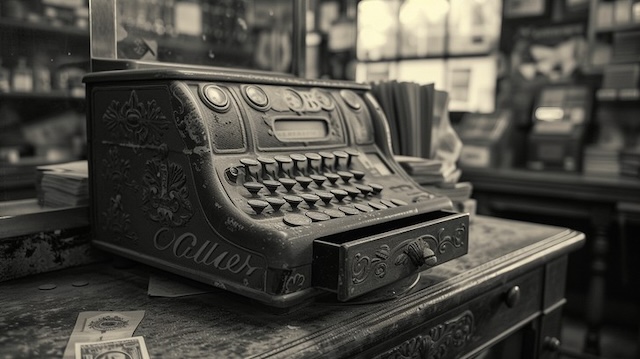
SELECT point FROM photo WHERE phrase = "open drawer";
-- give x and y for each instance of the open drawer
(355, 262)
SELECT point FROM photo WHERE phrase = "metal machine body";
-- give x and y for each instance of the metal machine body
(274, 187)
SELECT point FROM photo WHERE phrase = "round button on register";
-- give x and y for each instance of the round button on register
(351, 99)
(323, 99)
(388, 203)
(334, 213)
(216, 98)
(275, 202)
(398, 202)
(378, 206)
(349, 210)
(362, 207)
(256, 96)
(296, 220)
(257, 205)
(317, 216)
(293, 99)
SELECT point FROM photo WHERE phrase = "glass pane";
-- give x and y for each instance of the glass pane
(247, 34)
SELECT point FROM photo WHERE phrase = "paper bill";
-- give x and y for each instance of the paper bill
(95, 326)
(129, 348)
(169, 286)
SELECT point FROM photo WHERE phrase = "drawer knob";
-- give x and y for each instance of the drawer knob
(420, 253)
(513, 296)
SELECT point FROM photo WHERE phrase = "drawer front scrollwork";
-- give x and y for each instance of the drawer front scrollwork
(437, 342)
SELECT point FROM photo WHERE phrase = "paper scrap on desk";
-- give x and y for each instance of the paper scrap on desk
(96, 326)
(133, 348)
(167, 286)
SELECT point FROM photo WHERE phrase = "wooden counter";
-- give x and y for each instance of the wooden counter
(509, 287)
(599, 201)
(35, 239)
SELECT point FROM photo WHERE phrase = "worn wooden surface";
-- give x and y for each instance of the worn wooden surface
(37, 323)
(594, 199)
(22, 217)
(35, 239)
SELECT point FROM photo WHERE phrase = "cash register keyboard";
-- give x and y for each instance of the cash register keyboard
(307, 188)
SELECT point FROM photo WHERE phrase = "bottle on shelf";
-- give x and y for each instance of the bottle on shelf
(5, 79)
(22, 77)
(41, 74)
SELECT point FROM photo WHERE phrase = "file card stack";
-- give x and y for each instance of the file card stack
(63, 185)
(424, 142)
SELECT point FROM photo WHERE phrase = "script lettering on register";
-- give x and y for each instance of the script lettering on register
(188, 246)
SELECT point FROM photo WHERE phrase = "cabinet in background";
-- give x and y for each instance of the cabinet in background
(45, 53)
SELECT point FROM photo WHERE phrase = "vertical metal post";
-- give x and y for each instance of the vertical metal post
(298, 37)
(103, 29)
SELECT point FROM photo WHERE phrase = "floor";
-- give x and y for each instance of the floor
(616, 342)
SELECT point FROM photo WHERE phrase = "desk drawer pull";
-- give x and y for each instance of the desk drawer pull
(420, 253)
(513, 296)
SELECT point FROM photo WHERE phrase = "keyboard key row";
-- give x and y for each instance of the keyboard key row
(272, 186)
(296, 219)
(302, 164)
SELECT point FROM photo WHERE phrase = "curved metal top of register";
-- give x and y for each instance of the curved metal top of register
(247, 177)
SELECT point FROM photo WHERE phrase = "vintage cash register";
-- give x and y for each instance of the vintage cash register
(561, 118)
(268, 185)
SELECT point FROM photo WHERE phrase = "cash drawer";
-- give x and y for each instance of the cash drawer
(472, 325)
(356, 262)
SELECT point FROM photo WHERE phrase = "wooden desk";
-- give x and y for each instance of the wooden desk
(35, 239)
(509, 288)
(600, 200)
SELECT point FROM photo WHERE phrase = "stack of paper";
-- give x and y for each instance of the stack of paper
(424, 142)
(429, 171)
(457, 192)
(410, 112)
(601, 160)
(63, 185)
(440, 178)
(630, 162)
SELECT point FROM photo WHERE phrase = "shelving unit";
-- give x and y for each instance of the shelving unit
(9, 24)
(614, 45)
(45, 53)
(430, 57)
(614, 42)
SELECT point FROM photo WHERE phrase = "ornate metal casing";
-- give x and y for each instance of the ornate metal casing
(273, 187)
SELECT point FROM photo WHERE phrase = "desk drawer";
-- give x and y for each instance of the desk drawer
(480, 322)
(356, 262)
